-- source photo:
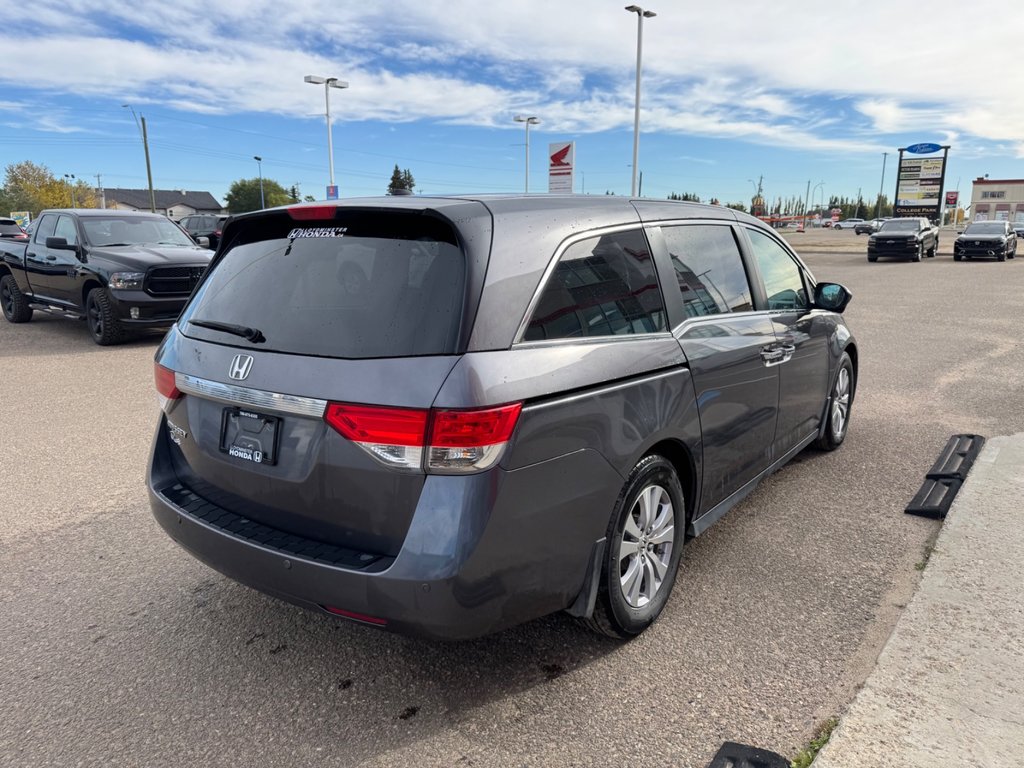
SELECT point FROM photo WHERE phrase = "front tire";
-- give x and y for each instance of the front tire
(13, 302)
(840, 402)
(645, 541)
(104, 326)
(919, 254)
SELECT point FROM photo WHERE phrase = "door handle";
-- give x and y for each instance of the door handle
(777, 354)
(51, 258)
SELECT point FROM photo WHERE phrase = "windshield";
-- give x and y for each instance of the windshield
(10, 229)
(901, 225)
(991, 228)
(368, 285)
(103, 231)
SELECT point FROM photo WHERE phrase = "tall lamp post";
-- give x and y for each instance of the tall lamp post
(529, 120)
(878, 205)
(641, 14)
(328, 83)
(145, 147)
(259, 165)
(814, 194)
(71, 186)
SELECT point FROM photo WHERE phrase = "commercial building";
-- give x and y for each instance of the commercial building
(997, 200)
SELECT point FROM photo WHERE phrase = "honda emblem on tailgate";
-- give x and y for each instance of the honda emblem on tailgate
(240, 367)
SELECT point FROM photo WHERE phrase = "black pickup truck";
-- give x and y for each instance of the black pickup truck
(117, 270)
(905, 238)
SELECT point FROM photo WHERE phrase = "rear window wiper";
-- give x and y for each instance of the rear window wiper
(249, 334)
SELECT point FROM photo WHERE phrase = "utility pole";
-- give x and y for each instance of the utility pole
(857, 214)
(99, 188)
(807, 204)
(149, 170)
(878, 206)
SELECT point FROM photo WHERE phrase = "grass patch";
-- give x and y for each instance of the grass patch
(925, 557)
(807, 755)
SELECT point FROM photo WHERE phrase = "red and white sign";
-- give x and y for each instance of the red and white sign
(561, 167)
(951, 198)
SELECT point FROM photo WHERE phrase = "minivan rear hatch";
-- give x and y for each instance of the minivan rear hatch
(308, 313)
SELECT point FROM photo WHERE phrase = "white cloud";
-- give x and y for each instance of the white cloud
(775, 74)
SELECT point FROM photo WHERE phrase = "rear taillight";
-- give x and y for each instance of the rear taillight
(454, 441)
(166, 387)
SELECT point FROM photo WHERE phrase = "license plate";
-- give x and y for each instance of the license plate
(249, 436)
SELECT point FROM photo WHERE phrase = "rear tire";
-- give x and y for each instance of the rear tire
(840, 402)
(645, 541)
(103, 324)
(13, 301)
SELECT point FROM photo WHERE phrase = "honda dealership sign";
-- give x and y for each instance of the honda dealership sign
(561, 166)
(919, 182)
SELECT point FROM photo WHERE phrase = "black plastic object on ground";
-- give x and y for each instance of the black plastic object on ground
(733, 755)
(944, 479)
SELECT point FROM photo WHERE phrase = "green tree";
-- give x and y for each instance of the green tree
(401, 180)
(737, 207)
(244, 195)
(689, 197)
(32, 187)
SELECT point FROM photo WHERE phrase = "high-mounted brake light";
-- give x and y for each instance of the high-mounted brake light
(311, 212)
(455, 442)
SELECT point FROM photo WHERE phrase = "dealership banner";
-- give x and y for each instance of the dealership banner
(561, 166)
(919, 182)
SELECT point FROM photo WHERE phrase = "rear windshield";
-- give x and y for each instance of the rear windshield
(362, 285)
(10, 230)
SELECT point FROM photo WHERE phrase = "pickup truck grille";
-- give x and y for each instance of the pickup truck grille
(895, 244)
(173, 281)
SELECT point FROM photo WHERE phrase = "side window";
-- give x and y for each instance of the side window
(604, 286)
(709, 269)
(66, 229)
(45, 228)
(783, 281)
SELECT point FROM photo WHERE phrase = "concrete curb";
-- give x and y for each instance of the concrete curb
(948, 687)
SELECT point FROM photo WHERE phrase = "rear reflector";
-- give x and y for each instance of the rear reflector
(356, 616)
(311, 212)
(456, 442)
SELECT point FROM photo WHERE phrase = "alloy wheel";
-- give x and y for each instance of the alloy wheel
(646, 548)
(841, 402)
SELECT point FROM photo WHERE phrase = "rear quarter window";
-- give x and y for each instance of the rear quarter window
(602, 286)
(365, 285)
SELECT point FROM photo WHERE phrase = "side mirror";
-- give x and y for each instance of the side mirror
(60, 244)
(202, 242)
(831, 296)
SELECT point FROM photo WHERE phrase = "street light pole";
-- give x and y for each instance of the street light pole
(641, 14)
(71, 186)
(145, 147)
(259, 165)
(328, 83)
(529, 120)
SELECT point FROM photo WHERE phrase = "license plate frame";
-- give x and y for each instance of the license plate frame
(249, 436)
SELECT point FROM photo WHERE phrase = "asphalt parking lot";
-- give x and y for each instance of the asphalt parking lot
(117, 648)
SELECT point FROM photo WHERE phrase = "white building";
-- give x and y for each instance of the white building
(997, 200)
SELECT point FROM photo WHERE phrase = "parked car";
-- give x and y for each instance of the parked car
(447, 416)
(204, 225)
(117, 270)
(847, 223)
(986, 239)
(10, 229)
(868, 227)
(905, 238)
(1018, 228)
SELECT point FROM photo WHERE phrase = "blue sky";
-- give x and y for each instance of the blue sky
(731, 92)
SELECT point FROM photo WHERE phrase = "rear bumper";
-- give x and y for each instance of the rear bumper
(484, 552)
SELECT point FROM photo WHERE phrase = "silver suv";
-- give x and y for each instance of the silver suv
(447, 416)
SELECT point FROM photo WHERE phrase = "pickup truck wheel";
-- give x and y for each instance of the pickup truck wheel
(933, 249)
(99, 316)
(12, 300)
(645, 541)
(919, 253)
(957, 257)
(872, 257)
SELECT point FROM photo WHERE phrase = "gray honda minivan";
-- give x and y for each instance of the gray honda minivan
(447, 416)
